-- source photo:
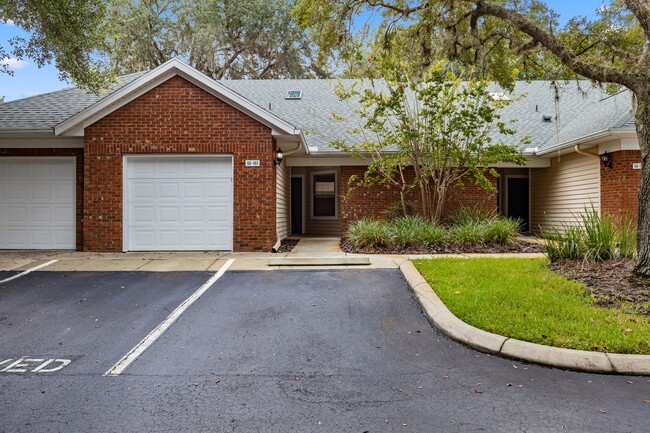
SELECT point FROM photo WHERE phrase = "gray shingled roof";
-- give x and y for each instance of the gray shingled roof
(583, 109)
(49, 109)
(613, 111)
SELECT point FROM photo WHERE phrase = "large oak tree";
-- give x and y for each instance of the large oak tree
(64, 32)
(508, 38)
(221, 38)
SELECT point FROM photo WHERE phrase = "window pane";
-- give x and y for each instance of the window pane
(324, 206)
(324, 184)
(324, 192)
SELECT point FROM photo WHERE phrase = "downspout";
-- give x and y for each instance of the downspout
(276, 246)
(582, 152)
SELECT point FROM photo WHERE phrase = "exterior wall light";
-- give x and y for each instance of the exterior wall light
(279, 156)
(606, 160)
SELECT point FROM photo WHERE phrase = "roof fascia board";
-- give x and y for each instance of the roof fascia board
(15, 132)
(41, 142)
(589, 140)
(161, 74)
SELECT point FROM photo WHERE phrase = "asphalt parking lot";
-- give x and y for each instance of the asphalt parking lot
(272, 351)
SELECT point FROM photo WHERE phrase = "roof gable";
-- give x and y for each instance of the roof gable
(74, 125)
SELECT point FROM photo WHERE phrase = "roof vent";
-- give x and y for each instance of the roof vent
(294, 94)
(547, 119)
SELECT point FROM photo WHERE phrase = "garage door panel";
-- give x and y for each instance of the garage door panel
(17, 215)
(41, 238)
(17, 191)
(61, 192)
(169, 190)
(193, 190)
(169, 238)
(144, 214)
(18, 171)
(41, 215)
(181, 193)
(193, 214)
(218, 213)
(16, 237)
(65, 215)
(62, 236)
(194, 239)
(38, 203)
(143, 190)
(41, 191)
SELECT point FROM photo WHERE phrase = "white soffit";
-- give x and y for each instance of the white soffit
(74, 126)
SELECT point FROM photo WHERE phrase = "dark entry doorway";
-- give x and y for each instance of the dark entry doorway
(518, 199)
(296, 206)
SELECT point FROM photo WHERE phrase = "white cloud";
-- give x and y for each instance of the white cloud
(9, 22)
(13, 63)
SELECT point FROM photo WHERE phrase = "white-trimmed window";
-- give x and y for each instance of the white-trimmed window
(324, 195)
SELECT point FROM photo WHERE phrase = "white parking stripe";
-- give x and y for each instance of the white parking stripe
(143, 345)
(35, 268)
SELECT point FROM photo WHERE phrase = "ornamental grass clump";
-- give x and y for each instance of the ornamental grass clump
(409, 231)
(469, 232)
(592, 236)
(502, 231)
(370, 233)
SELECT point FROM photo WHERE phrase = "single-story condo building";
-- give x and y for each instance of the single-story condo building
(171, 160)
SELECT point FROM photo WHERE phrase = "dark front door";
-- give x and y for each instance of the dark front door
(296, 205)
(518, 200)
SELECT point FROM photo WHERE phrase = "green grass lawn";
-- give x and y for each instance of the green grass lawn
(523, 299)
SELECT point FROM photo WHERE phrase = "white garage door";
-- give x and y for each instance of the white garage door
(178, 203)
(37, 203)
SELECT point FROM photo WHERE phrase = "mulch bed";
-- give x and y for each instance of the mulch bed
(518, 247)
(286, 245)
(611, 283)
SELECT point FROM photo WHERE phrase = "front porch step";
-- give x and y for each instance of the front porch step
(319, 261)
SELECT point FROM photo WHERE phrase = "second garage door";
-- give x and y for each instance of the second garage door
(176, 203)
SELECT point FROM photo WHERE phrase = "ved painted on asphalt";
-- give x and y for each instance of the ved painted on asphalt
(84, 321)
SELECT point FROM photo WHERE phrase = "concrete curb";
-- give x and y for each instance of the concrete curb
(319, 261)
(579, 360)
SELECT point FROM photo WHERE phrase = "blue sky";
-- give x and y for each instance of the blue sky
(29, 80)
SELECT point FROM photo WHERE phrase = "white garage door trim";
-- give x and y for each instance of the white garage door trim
(57, 228)
(218, 240)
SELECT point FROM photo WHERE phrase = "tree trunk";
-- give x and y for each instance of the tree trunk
(402, 198)
(643, 132)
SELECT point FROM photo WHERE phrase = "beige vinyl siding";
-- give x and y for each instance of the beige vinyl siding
(282, 200)
(317, 226)
(564, 190)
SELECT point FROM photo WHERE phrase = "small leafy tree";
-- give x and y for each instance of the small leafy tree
(441, 126)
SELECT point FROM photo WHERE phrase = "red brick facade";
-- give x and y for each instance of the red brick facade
(177, 117)
(619, 185)
(79, 155)
(372, 202)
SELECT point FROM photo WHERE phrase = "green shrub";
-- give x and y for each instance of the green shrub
(565, 243)
(599, 235)
(468, 232)
(501, 230)
(433, 234)
(592, 237)
(626, 238)
(408, 231)
(466, 215)
(370, 233)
